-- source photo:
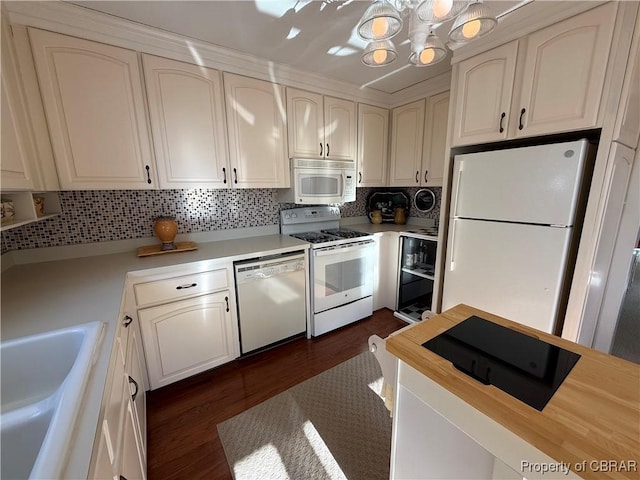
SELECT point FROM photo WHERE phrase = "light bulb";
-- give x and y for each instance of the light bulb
(427, 55)
(471, 29)
(379, 27)
(379, 56)
(442, 7)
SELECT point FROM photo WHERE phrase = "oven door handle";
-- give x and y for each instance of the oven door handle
(344, 248)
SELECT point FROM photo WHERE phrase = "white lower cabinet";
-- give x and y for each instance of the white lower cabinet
(121, 445)
(187, 320)
(187, 337)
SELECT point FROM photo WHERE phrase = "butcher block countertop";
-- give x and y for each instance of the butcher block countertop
(594, 416)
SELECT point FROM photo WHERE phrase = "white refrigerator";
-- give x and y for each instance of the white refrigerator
(511, 228)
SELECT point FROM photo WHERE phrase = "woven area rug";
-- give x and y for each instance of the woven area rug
(332, 426)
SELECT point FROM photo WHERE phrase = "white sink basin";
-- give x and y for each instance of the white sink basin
(43, 381)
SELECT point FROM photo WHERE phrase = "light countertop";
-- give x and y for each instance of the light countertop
(594, 415)
(39, 297)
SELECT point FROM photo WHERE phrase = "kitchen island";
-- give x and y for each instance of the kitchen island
(449, 425)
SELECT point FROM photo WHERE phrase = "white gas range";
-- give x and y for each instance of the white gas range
(341, 266)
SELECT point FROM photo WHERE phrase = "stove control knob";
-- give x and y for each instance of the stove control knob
(286, 215)
(294, 215)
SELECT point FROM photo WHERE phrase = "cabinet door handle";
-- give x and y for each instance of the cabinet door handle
(224, 175)
(417, 176)
(320, 148)
(327, 149)
(235, 176)
(521, 126)
(501, 119)
(359, 177)
(135, 384)
(226, 299)
(127, 320)
(425, 175)
(182, 287)
(147, 168)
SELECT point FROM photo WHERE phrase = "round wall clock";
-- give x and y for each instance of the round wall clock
(424, 200)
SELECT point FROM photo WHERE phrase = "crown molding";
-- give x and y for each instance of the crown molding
(426, 88)
(81, 22)
(522, 21)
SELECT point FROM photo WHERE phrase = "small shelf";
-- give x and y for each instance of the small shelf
(25, 211)
(421, 270)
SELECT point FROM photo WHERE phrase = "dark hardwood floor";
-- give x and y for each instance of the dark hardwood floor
(183, 440)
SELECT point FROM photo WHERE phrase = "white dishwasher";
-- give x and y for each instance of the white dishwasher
(271, 299)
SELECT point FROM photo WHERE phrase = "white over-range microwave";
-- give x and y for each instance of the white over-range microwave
(320, 182)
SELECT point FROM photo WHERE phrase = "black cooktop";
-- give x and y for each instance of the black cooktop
(526, 368)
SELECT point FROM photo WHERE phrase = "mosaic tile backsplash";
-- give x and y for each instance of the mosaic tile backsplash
(105, 215)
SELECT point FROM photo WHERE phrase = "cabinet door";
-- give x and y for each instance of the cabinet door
(132, 466)
(305, 124)
(187, 120)
(373, 135)
(563, 75)
(94, 106)
(135, 366)
(114, 408)
(187, 337)
(17, 141)
(340, 129)
(483, 96)
(435, 140)
(407, 130)
(256, 116)
(627, 129)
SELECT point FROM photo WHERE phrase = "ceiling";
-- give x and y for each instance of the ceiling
(316, 36)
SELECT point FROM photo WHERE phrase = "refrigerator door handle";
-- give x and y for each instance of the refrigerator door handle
(457, 192)
(452, 261)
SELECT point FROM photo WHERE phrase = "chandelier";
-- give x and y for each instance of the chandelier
(383, 19)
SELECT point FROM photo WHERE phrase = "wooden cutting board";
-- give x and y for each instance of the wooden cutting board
(157, 249)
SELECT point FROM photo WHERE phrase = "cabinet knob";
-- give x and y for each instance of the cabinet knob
(522, 112)
(417, 176)
(501, 119)
(425, 175)
(320, 148)
(224, 175)
(226, 299)
(235, 176)
(147, 168)
(127, 321)
(327, 149)
(359, 177)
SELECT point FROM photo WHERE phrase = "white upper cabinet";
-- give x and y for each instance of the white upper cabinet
(94, 103)
(340, 129)
(483, 95)
(564, 71)
(557, 85)
(435, 140)
(627, 128)
(18, 149)
(188, 123)
(407, 133)
(305, 123)
(256, 122)
(373, 143)
(320, 127)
